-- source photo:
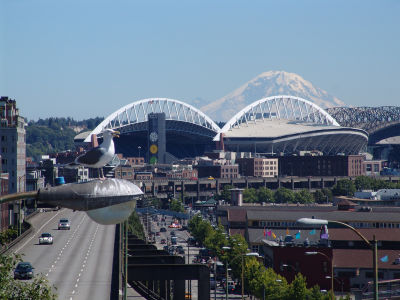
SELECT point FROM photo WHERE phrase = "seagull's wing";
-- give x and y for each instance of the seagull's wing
(91, 157)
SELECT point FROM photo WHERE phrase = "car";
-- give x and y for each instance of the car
(188, 296)
(163, 241)
(231, 286)
(213, 283)
(157, 233)
(45, 238)
(64, 224)
(172, 233)
(173, 240)
(210, 178)
(163, 229)
(24, 270)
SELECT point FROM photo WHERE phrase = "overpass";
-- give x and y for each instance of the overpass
(203, 187)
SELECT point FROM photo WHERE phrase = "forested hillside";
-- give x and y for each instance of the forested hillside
(55, 134)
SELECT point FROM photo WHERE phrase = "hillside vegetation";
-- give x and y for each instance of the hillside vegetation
(54, 135)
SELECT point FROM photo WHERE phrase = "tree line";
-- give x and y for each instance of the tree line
(343, 187)
(54, 135)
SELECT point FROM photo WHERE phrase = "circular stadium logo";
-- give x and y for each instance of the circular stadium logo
(153, 149)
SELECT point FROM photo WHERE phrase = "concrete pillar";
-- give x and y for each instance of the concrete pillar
(198, 190)
(179, 289)
(292, 183)
(182, 191)
(163, 288)
(322, 183)
(309, 183)
(216, 187)
(278, 181)
(265, 183)
(168, 290)
(204, 286)
(247, 183)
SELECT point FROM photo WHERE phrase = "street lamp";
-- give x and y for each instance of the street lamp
(331, 260)
(242, 275)
(19, 225)
(139, 147)
(373, 246)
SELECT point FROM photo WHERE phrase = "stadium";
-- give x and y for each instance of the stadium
(163, 130)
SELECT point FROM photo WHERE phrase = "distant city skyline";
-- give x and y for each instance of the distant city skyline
(87, 59)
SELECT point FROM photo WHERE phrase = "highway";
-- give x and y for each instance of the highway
(79, 263)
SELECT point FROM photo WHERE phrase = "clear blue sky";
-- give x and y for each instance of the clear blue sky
(84, 58)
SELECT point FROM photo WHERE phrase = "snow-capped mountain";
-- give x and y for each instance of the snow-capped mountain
(268, 84)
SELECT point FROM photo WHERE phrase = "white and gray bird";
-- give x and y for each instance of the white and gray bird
(99, 156)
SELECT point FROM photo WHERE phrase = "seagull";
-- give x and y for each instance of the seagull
(99, 156)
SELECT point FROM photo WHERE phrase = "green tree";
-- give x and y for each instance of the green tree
(216, 240)
(298, 288)
(199, 228)
(283, 195)
(226, 193)
(135, 226)
(36, 289)
(250, 195)
(176, 205)
(344, 187)
(363, 183)
(265, 195)
(303, 197)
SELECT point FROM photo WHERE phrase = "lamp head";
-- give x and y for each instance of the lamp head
(310, 221)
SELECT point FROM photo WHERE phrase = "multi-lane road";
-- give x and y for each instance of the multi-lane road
(79, 263)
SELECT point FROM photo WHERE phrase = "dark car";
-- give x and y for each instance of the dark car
(163, 229)
(213, 283)
(24, 270)
(172, 233)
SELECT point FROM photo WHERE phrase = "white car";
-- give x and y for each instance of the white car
(45, 238)
(64, 224)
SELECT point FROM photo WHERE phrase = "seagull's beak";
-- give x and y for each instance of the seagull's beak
(116, 133)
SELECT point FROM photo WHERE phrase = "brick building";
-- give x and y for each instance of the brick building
(258, 167)
(338, 165)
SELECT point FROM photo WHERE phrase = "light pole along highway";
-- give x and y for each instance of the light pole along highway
(372, 245)
(242, 273)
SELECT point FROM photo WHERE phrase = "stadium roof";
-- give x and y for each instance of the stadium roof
(275, 124)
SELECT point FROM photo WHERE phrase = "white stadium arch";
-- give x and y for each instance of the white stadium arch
(279, 107)
(137, 112)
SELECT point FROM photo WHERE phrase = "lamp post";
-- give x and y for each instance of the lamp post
(139, 147)
(331, 260)
(20, 204)
(242, 273)
(372, 245)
